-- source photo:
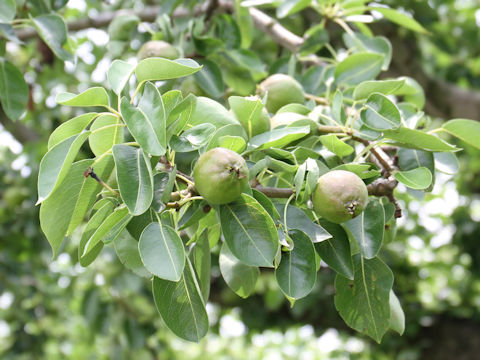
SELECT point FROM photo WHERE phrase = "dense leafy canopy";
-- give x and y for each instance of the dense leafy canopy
(117, 174)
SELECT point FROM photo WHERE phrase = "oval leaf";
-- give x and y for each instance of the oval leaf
(7, 10)
(367, 229)
(107, 130)
(464, 129)
(358, 67)
(249, 231)
(397, 316)
(126, 248)
(279, 138)
(417, 139)
(134, 176)
(147, 122)
(297, 219)
(364, 302)
(419, 178)
(56, 163)
(53, 31)
(162, 252)
(95, 96)
(202, 263)
(336, 251)
(400, 18)
(181, 305)
(239, 277)
(86, 257)
(164, 69)
(379, 113)
(385, 87)
(336, 146)
(13, 90)
(118, 75)
(109, 229)
(296, 274)
(71, 127)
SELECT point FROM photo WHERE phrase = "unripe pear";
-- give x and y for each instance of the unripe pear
(340, 196)
(220, 175)
(158, 48)
(281, 90)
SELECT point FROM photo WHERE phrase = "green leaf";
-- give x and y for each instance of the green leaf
(358, 67)
(417, 139)
(364, 302)
(225, 131)
(122, 26)
(210, 79)
(336, 146)
(164, 69)
(118, 75)
(279, 138)
(380, 113)
(134, 176)
(296, 274)
(181, 305)
(385, 87)
(202, 263)
(56, 211)
(147, 122)
(464, 129)
(95, 96)
(249, 231)
(85, 195)
(248, 111)
(13, 90)
(362, 170)
(126, 248)
(101, 141)
(71, 127)
(239, 277)
(419, 178)
(412, 92)
(53, 31)
(86, 257)
(297, 219)
(56, 163)
(163, 183)
(193, 138)
(162, 252)
(210, 111)
(399, 18)
(7, 10)
(234, 143)
(245, 24)
(375, 44)
(299, 178)
(446, 163)
(266, 203)
(109, 229)
(367, 229)
(7, 31)
(409, 159)
(336, 251)
(397, 316)
(290, 7)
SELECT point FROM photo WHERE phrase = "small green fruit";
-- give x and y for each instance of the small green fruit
(220, 175)
(158, 48)
(340, 196)
(282, 90)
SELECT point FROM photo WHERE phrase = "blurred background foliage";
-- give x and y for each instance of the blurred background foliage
(57, 309)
